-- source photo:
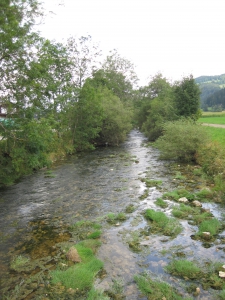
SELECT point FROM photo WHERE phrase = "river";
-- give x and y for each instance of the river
(88, 186)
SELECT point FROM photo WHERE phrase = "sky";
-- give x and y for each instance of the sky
(174, 37)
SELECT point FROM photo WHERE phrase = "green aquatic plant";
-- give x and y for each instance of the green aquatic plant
(184, 268)
(184, 211)
(204, 195)
(156, 289)
(151, 182)
(160, 202)
(18, 262)
(212, 225)
(199, 218)
(113, 218)
(177, 194)
(144, 195)
(86, 229)
(160, 223)
(178, 175)
(95, 294)
(93, 244)
(94, 235)
(79, 276)
(130, 208)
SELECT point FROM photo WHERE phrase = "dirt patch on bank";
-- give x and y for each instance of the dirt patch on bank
(214, 125)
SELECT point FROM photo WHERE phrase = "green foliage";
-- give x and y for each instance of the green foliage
(94, 235)
(113, 218)
(97, 295)
(156, 289)
(155, 107)
(212, 225)
(79, 276)
(161, 223)
(160, 202)
(187, 98)
(151, 182)
(183, 211)
(211, 157)
(184, 268)
(179, 193)
(181, 140)
(19, 262)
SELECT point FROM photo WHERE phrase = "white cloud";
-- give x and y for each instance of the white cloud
(176, 37)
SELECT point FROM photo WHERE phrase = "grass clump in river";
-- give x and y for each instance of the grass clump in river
(160, 223)
(212, 226)
(184, 268)
(80, 276)
(130, 209)
(151, 182)
(144, 195)
(18, 262)
(86, 230)
(177, 194)
(160, 202)
(113, 218)
(156, 289)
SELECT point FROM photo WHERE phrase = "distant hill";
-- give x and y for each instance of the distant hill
(212, 92)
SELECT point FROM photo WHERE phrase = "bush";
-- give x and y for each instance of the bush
(181, 140)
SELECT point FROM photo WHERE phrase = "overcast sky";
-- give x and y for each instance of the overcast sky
(174, 37)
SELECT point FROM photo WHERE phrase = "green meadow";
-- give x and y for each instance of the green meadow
(216, 134)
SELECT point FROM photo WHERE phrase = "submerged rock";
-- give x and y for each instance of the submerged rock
(221, 274)
(73, 255)
(197, 203)
(206, 235)
(183, 200)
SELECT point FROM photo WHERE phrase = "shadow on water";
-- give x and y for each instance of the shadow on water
(36, 212)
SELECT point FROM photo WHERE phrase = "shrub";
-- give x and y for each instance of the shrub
(181, 140)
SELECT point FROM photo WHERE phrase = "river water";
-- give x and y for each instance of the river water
(89, 186)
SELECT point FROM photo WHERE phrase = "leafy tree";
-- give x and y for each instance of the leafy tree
(120, 76)
(116, 119)
(83, 55)
(187, 98)
(16, 44)
(155, 107)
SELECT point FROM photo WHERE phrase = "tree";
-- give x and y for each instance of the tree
(120, 76)
(16, 43)
(187, 98)
(155, 107)
(83, 55)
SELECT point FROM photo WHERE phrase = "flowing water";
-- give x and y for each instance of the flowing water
(35, 214)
